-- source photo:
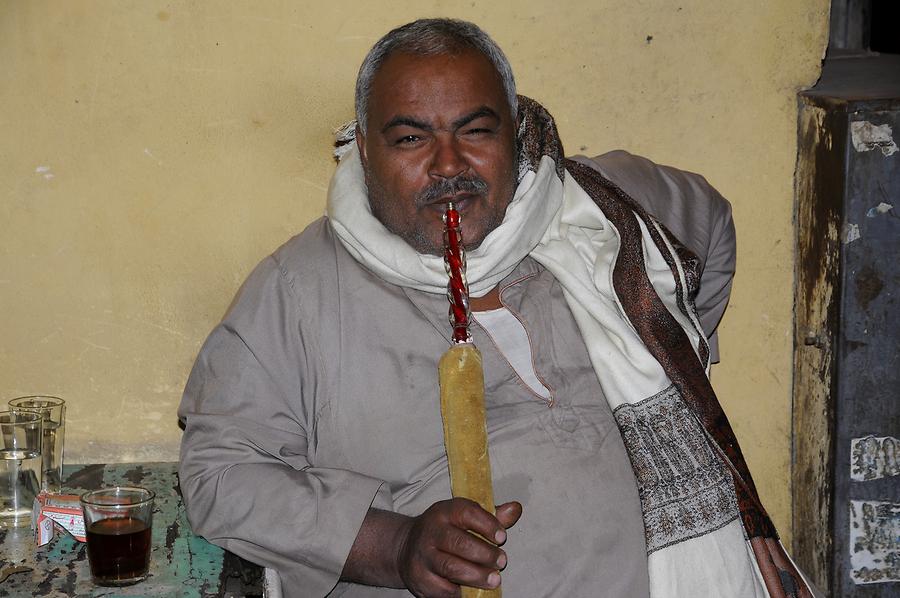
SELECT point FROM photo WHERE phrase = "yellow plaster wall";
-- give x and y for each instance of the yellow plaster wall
(151, 152)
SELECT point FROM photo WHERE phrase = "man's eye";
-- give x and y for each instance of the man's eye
(408, 139)
(476, 131)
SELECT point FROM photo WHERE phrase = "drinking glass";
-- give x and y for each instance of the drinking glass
(53, 410)
(20, 466)
(117, 522)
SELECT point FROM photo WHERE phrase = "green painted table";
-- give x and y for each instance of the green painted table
(182, 565)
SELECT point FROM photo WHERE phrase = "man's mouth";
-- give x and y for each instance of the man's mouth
(461, 191)
(460, 201)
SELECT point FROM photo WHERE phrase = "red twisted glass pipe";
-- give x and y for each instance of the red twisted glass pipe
(455, 263)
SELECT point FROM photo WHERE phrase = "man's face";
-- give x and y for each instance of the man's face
(439, 129)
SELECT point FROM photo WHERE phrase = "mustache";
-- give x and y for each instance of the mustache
(449, 187)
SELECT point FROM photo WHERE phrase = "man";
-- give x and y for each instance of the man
(313, 440)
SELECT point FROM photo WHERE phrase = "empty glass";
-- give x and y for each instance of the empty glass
(53, 411)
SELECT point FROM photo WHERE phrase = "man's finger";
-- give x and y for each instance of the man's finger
(464, 572)
(508, 513)
(468, 515)
(432, 585)
(471, 548)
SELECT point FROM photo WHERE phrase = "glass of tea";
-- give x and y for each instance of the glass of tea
(117, 523)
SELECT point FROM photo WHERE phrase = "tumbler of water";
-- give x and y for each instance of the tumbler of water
(53, 412)
(21, 435)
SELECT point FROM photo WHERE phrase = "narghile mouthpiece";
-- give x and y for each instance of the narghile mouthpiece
(455, 263)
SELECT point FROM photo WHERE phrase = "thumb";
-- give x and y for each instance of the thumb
(508, 513)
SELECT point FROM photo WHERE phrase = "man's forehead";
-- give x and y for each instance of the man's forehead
(467, 78)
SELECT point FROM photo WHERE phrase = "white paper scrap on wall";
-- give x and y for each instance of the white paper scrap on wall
(873, 458)
(867, 137)
(874, 542)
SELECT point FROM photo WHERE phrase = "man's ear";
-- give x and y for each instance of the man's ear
(361, 145)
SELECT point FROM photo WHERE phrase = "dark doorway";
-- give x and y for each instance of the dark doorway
(861, 26)
(885, 27)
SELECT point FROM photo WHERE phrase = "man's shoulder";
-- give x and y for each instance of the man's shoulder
(683, 201)
(315, 263)
(305, 261)
(309, 249)
(646, 179)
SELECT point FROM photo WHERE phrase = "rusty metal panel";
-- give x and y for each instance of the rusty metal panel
(868, 391)
(846, 493)
(820, 184)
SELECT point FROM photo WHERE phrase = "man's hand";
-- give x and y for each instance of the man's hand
(438, 554)
(432, 554)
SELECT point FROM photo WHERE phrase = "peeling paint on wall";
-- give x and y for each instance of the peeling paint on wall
(881, 208)
(873, 458)
(874, 541)
(867, 137)
(44, 171)
(849, 233)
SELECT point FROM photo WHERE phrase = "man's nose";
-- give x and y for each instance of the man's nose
(447, 161)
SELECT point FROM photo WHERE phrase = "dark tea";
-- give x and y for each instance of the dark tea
(118, 550)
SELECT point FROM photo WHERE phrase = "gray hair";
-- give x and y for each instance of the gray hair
(431, 37)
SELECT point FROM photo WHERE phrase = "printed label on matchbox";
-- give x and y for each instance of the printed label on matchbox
(74, 524)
